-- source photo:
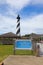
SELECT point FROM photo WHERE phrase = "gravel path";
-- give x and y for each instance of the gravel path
(23, 60)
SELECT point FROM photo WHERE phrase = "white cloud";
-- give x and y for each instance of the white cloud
(34, 24)
(36, 1)
(10, 12)
(31, 25)
(7, 24)
(27, 25)
(2, 1)
(18, 4)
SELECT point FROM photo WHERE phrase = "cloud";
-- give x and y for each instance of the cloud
(13, 7)
(11, 13)
(2, 1)
(39, 30)
(7, 24)
(28, 25)
(18, 4)
(6, 10)
(36, 2)
(32, 25)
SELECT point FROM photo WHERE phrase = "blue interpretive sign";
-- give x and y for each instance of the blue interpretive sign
(23, 44)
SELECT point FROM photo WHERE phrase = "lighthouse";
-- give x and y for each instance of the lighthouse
(18, 26)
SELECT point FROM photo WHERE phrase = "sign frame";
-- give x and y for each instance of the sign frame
(23, 48)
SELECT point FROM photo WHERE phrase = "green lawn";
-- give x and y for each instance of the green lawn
(23, 52)
(6, 50)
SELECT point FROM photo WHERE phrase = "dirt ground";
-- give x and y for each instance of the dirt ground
(23, 60)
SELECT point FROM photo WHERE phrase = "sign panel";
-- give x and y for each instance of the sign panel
(23, 44)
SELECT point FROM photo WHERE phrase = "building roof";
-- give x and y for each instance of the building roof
(10, 34)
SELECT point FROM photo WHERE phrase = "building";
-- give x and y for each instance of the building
(8, 38)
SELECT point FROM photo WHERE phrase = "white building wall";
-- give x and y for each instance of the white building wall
(41, 48)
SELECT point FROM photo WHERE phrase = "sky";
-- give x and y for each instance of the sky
(30, 11)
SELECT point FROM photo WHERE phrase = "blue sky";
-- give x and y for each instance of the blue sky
(30, 11)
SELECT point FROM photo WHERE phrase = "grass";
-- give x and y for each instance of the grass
(23, 52)
(6, 50)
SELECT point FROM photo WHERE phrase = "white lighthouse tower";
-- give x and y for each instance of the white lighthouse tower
(18, 26)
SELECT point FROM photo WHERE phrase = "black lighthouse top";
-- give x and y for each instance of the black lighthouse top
(18, 17)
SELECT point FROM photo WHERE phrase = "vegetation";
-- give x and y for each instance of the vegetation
(5, 51)
(27, 35)
(23, 52)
